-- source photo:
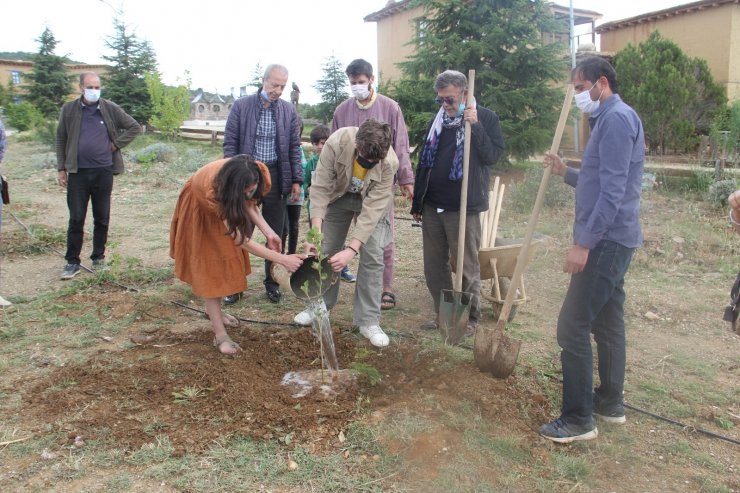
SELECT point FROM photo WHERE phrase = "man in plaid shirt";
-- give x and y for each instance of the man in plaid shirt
(267, 127)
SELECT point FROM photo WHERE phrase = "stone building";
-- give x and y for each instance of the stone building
(208, 106)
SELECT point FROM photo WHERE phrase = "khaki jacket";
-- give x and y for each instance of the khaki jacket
(122, 129)
(333, 176)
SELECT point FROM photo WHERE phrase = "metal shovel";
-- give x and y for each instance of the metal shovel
(495, 352)
(455, 304)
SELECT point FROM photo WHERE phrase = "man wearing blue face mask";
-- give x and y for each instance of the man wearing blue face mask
(605, 234)
(438, 187)
(90, 135)
(266, 127)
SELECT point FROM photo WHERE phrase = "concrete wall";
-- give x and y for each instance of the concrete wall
(394, 32)
(704, 34)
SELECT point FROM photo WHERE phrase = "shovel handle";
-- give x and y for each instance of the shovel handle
(523, 258)
(464, 191)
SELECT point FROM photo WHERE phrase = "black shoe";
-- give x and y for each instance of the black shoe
(232, 298)
(273, 294)
(470, 328)
(614, 414)
(561, 432)
(70, 270)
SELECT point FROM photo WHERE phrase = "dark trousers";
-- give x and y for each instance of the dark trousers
(273, 210)
(439, 233)
(88, 185)
(291, 227)
(594, 304)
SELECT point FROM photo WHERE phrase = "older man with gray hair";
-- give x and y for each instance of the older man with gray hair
(267, 128)
(438, 186)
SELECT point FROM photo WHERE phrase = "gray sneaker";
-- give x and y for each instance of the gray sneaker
(613, 414)
(70, 270)
(99, 265)
(561, 432)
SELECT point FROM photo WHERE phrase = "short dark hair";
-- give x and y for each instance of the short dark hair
(373, 139)
(319, 133)
(592, 68)
(359, 67)
(85, 74)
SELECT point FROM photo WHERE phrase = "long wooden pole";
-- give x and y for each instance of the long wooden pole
(523, 258)
(464, 192)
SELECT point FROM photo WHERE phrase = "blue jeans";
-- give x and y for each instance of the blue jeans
(594, 304)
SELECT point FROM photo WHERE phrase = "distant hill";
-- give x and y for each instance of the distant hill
(26, 56)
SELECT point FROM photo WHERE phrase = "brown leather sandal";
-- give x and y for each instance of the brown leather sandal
(226, 339)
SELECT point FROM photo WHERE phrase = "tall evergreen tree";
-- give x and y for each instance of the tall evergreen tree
(516, 71)
(332, 87)
(50, 82)
(255, 80)
(125, 82)
(674, 94)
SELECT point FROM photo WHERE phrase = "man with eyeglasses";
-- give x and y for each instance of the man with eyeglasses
(438, 186)
(268, 128)
(90, 135)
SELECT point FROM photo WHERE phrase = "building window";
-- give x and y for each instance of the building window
(15, 76)
(201, 108)
(216, 108)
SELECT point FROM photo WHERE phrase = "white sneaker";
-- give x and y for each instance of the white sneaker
(376, 335)
(4, 302)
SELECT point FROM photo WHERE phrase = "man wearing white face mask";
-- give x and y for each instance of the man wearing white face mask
(364, 104)
(605, 234)
(90, 136)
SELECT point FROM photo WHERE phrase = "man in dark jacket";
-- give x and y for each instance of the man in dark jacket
(438, 186)
(266, 127)
(90, 136)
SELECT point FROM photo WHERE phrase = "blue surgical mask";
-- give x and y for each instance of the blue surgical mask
(264, 95)
(460, 109)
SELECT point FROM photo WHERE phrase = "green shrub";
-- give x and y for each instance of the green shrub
(46, 133)
(720, 190)
(154, 153)
(44, 160)
(23, 116)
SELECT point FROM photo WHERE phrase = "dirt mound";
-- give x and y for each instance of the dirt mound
(177, 384)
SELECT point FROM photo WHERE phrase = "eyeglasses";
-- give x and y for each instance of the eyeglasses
(448, 100)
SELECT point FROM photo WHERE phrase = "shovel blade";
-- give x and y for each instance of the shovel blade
(505, 358)
(454, 309)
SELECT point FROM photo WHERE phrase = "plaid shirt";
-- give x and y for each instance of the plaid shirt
(265, 149)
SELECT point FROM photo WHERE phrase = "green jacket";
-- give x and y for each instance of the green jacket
(122, 129)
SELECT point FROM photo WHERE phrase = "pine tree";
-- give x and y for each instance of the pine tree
(125, 82)
(332, 87)
(257, 75)
(50, 82)
(674, 94)
(517, 75)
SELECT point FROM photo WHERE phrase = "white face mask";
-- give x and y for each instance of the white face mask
(360, 91)
(92, 95)
(585, 103)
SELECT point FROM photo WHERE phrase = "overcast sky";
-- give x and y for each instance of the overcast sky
(220, 41)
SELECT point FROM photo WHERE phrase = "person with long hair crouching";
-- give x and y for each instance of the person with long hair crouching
(210, 236)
